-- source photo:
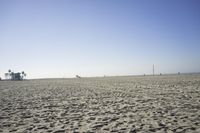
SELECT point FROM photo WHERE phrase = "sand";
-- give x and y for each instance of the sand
(103, 105)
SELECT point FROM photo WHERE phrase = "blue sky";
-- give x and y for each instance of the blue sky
(62, 38)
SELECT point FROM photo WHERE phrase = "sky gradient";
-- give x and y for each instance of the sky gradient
(63, 38)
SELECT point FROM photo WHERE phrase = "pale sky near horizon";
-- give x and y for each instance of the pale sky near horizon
(63, 38)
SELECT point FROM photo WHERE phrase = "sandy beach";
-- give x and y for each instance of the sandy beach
(143, 104)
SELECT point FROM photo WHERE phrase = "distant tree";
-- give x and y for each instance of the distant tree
(12, 75)
(9, 71)
(24, 75)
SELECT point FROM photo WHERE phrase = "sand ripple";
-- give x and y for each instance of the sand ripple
(112, 104)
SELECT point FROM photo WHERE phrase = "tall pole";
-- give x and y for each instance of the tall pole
(153, 70)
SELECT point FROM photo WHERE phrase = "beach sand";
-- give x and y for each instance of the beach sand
(129, 104)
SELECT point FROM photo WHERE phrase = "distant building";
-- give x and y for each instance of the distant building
(15, 76)
(7, 75)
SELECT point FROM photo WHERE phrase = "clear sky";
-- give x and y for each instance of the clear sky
(63, 38)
